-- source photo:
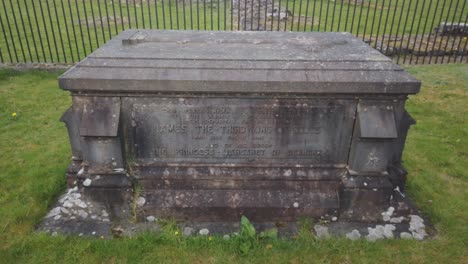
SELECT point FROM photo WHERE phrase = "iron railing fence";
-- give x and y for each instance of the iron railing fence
(65, 31)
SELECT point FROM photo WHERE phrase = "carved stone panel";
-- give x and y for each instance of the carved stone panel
(234, 130)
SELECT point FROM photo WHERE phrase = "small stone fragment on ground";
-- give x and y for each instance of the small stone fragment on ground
(321, 231)
(53, 212)
(204, 232)
(141, 201)
(188, 231)
(354, 235)
(386, 216)
(380, 232)
(406, 235)
(150, 218)
(87, 182)
(417, 227)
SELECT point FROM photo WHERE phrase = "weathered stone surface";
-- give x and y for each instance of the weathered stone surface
(209, 126)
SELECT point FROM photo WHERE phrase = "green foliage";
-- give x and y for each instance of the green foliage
(248, 238)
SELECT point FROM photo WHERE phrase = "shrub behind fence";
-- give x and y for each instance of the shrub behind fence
(66, 31)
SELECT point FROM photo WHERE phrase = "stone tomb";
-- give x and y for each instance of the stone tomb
(210, 126)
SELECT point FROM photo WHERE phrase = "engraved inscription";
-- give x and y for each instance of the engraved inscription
(240, 130)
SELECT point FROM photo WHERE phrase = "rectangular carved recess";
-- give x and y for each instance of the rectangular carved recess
(232, 131)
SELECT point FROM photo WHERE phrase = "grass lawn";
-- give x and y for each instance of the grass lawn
(34, 154)
(67, 31)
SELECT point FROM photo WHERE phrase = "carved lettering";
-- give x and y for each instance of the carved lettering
(238, 130)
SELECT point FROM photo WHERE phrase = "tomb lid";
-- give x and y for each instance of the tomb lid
(237, 62)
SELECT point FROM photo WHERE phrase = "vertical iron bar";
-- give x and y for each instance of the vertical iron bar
(163, 14)
(279, 15)
(451, 27)
(424, 30)
(225, 14)
(24, 30)
(135, 13)
(94, 25)
(391, 25)
(81, 28)
(102, 23)
(446, 19)
(198, 14)
(219, 23)
(6, 39)
(38, 31)
(75, 39)
(177, 14)
(373, 23)
(204, 14)
(298, 15)
(149, 14)
(238, 15)
(46, 31)
(258, 20)
(461, 35)
(232, 14)
(313, 16)
(378, 27)
(359, 19)
(67, 32)
(121, 15)
(108, 20)
(115, 17)
(251, 14)
(142, 3)
(464, 47)
(307, 14)
(385, 26)
(211, 14)
(245, 15)
(1, 56)
(156, 11)
(128, 14)
(32, 31)
(333, 15)
(367, 21)
(320, 16)
(17, 30)
(430, 32)
(404, 29)
(191, 15)
(87, 26)
(53, 31)
(60, 31)
(326, 15)
(286, 14)
(417, 31)
(339, 16)
(354, 17)
(183, 11)
(266, 15)
(347, 17)
(272, 13)
(411, 28)
(170, 13)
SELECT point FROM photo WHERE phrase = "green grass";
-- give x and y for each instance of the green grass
(34, 154)
(60, 19)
